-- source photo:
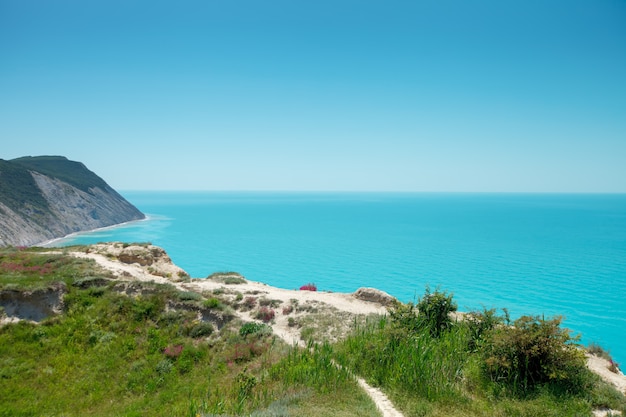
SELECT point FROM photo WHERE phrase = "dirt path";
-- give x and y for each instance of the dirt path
(105, 255)
(383, 404)
(290, 334)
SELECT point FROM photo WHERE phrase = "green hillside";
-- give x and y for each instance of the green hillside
(48, 197)
(137, 348)
(18, 189)
(71, 172)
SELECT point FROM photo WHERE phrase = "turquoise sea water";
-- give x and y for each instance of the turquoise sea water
(550, 254)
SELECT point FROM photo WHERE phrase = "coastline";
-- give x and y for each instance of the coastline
(327, 315)
(533, 251)
(338, 304)
(49, 243)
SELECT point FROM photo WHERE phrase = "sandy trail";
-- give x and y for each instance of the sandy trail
(290, 334)
(341, 302)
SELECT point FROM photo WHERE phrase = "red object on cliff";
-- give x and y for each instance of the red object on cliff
(309, 287)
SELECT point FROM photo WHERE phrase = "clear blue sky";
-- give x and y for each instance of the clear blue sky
(438, 95)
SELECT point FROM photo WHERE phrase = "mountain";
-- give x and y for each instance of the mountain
(47, 197)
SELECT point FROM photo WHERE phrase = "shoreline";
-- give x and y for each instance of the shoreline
(50, 242)
(338, 302)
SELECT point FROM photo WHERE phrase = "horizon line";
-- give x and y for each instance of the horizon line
(282, 191)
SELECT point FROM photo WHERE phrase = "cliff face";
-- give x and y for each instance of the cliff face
(44, 198)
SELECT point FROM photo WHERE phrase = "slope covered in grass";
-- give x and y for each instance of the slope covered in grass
(120, 346)
(141, 349)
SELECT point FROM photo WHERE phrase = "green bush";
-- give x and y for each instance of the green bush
(253, 328)
(201, 329)
(164, 367)
(228, 278)
(480, 323)
(234, 280)
(532, 352)
(404, 318)
(189, 296)
(249, 302)
(148, 308)
(265, 314)
(175, 317)
(434, 311)
(212, 303)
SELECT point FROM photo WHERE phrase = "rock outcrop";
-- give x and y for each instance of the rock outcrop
(138, 259)
(45, 198)
(374, 295)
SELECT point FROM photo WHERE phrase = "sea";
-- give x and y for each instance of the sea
(533, 254)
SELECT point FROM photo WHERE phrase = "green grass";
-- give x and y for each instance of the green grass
(229, 278)
(114, 354)
(38, 267)
(71, 172)
(18, 189)
(111, 353)
(446, 376)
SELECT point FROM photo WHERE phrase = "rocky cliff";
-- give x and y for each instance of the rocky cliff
(43, 198)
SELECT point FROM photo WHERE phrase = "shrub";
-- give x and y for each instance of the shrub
(431, 314)
(404, 317)
(229, 278)
(148, 308)
(189, 296)
(249, 302)
(480, 323)
(532, 352)
(201, 329)
(164, 367)
(264, 301)
(253, 328)
(309, 287)
(234, 280)
(265, 314)
(287, 310)
(212, 303)
(168, 318)
(434, 311)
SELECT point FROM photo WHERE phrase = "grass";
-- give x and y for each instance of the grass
(71, 172)
(38, 267)
(131, 355)
(19, 191)
(325, 324)
(124, 349)
(229, 278)
(447, 375)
